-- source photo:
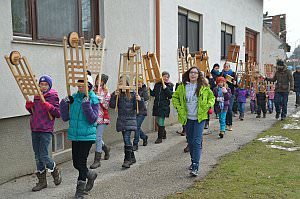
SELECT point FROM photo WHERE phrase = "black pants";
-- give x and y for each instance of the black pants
(261, 107)
(80, 153)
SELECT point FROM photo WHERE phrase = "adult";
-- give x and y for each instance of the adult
(296, 76)
(284, 83)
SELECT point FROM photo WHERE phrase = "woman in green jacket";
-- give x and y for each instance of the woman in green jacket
(192, 99)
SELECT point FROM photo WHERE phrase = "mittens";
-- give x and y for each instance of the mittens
(29, 105)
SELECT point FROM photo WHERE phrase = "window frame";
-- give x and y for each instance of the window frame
(33, 23)
(189, 17)
(224, 43)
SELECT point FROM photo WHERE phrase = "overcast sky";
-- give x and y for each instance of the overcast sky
(292, 10)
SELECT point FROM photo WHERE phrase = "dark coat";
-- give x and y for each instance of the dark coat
(261, 98)
(126, 120)
(284, 80)
(226, 96)
(161, 106)
(143, 93)
(296, 76)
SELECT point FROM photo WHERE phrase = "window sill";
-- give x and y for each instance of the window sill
(27, 40)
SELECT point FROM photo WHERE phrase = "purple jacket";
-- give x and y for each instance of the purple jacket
(226, 96)
(39, 120)
(241, 95)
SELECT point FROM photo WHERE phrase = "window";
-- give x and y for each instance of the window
(52, 19)
(188, 30)
(226, 39)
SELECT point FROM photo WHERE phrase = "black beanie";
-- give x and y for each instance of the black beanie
(104, 78)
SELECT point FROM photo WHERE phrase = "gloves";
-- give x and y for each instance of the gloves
(47, 105)
(29, 105)
(210, 111)
(69, 99)
(85, 99)
(224, 90)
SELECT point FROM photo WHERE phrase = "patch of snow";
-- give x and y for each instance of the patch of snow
(296, 115)
(290, 149)
(291, 126)
(274, 139)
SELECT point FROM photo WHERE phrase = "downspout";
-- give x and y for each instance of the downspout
(157, 28)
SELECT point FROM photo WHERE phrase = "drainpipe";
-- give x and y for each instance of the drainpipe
(157, 28)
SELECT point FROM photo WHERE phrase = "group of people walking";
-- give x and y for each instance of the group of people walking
(194, 99)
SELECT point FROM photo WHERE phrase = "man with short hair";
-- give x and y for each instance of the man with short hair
(284, 83)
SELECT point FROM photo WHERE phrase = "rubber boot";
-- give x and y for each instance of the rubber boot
(127, 158)
(164, 132)
(159, 135)
(42, 183)
(97, 160)
(106, 150)
(56, 174)
(80, 189)
(91, 176)
(133, 160)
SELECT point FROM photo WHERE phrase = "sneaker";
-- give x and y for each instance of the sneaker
(194, 173)
(277, 115)
(145, 141)
(230, 128)
(135, 147)
(221, 134)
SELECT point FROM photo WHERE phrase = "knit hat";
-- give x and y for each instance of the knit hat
(46, 78)
(220, 79)
(280, 62)
(104, 78)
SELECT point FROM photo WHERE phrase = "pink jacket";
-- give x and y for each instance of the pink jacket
(103, 116)
(39, 120)
(271, 94)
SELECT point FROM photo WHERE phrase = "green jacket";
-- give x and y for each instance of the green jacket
(206, 100)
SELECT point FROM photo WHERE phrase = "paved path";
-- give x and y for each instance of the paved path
(160, 169)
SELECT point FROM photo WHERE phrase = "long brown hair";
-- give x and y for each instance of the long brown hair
(201, 81)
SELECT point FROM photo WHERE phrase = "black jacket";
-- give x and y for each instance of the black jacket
(296, 76)
(161, 106)
(261, 98)
(143, 93)
(126, 120)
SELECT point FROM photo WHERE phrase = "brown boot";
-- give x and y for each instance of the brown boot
(97, 160)
(42, 183)
(56, 174)
(186, 149)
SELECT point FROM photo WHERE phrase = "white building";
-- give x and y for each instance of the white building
(35, 29)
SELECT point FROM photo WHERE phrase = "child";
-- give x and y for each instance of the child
(261, 102)
(143, 92)
(296, 76)
(162, 92)
(222, 95)
(192, 99)
(270, 96)
(42, 128)
(126, 120)
(103, 120)
(252, 100)
(215, 74)
(82, 113)
(241, 97)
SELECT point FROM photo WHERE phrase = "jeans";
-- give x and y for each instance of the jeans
(194, 131)
(253, 106)
(80, 153)
(139, 132)
(298, 98)
(99, 139)
(281, 100)
(229, 112)
(40, 145)
(222, 120)
(241, 107)
(270, 105)
(126, 138)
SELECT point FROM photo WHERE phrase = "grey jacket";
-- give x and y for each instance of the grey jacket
(284, 80)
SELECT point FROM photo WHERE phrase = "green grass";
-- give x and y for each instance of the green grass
(254, 171)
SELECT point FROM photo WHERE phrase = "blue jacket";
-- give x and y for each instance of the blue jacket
(82, 117)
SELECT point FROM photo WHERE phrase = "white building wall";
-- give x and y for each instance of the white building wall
(240, 14)
(270, 48)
